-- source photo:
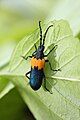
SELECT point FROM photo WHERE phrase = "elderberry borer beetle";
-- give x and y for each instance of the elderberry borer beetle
(38, 63)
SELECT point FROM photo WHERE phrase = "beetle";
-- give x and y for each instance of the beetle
(38, 63)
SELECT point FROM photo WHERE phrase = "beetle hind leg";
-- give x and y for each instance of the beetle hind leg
(47, 89)
(45, 86)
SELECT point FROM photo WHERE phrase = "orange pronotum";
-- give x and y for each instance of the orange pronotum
(37, 63)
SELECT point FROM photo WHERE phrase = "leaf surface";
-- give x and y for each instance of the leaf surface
(64, 103)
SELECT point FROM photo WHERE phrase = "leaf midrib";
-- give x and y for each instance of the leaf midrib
(11, 75)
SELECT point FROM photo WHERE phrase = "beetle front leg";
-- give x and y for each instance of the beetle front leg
(35, 47)
(26, 57)
(35, 50)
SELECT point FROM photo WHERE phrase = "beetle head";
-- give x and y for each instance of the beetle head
(41, 48)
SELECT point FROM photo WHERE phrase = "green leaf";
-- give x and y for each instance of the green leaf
(12, 107)
(5, 84)
(5, 55)
(64, 103)
(33, 100)
(13, 25)
(63, 10)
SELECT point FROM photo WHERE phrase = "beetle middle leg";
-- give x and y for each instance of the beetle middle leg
(51, 66)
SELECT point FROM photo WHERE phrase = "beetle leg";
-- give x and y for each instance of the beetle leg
(45, 85)
(27, 74)
(26, 57)
(34, 53)
(51, 66)
(35, 47)
(50, 51)
(35, 50)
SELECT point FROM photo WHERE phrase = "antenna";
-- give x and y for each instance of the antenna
(46, 33)
(40, 33)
